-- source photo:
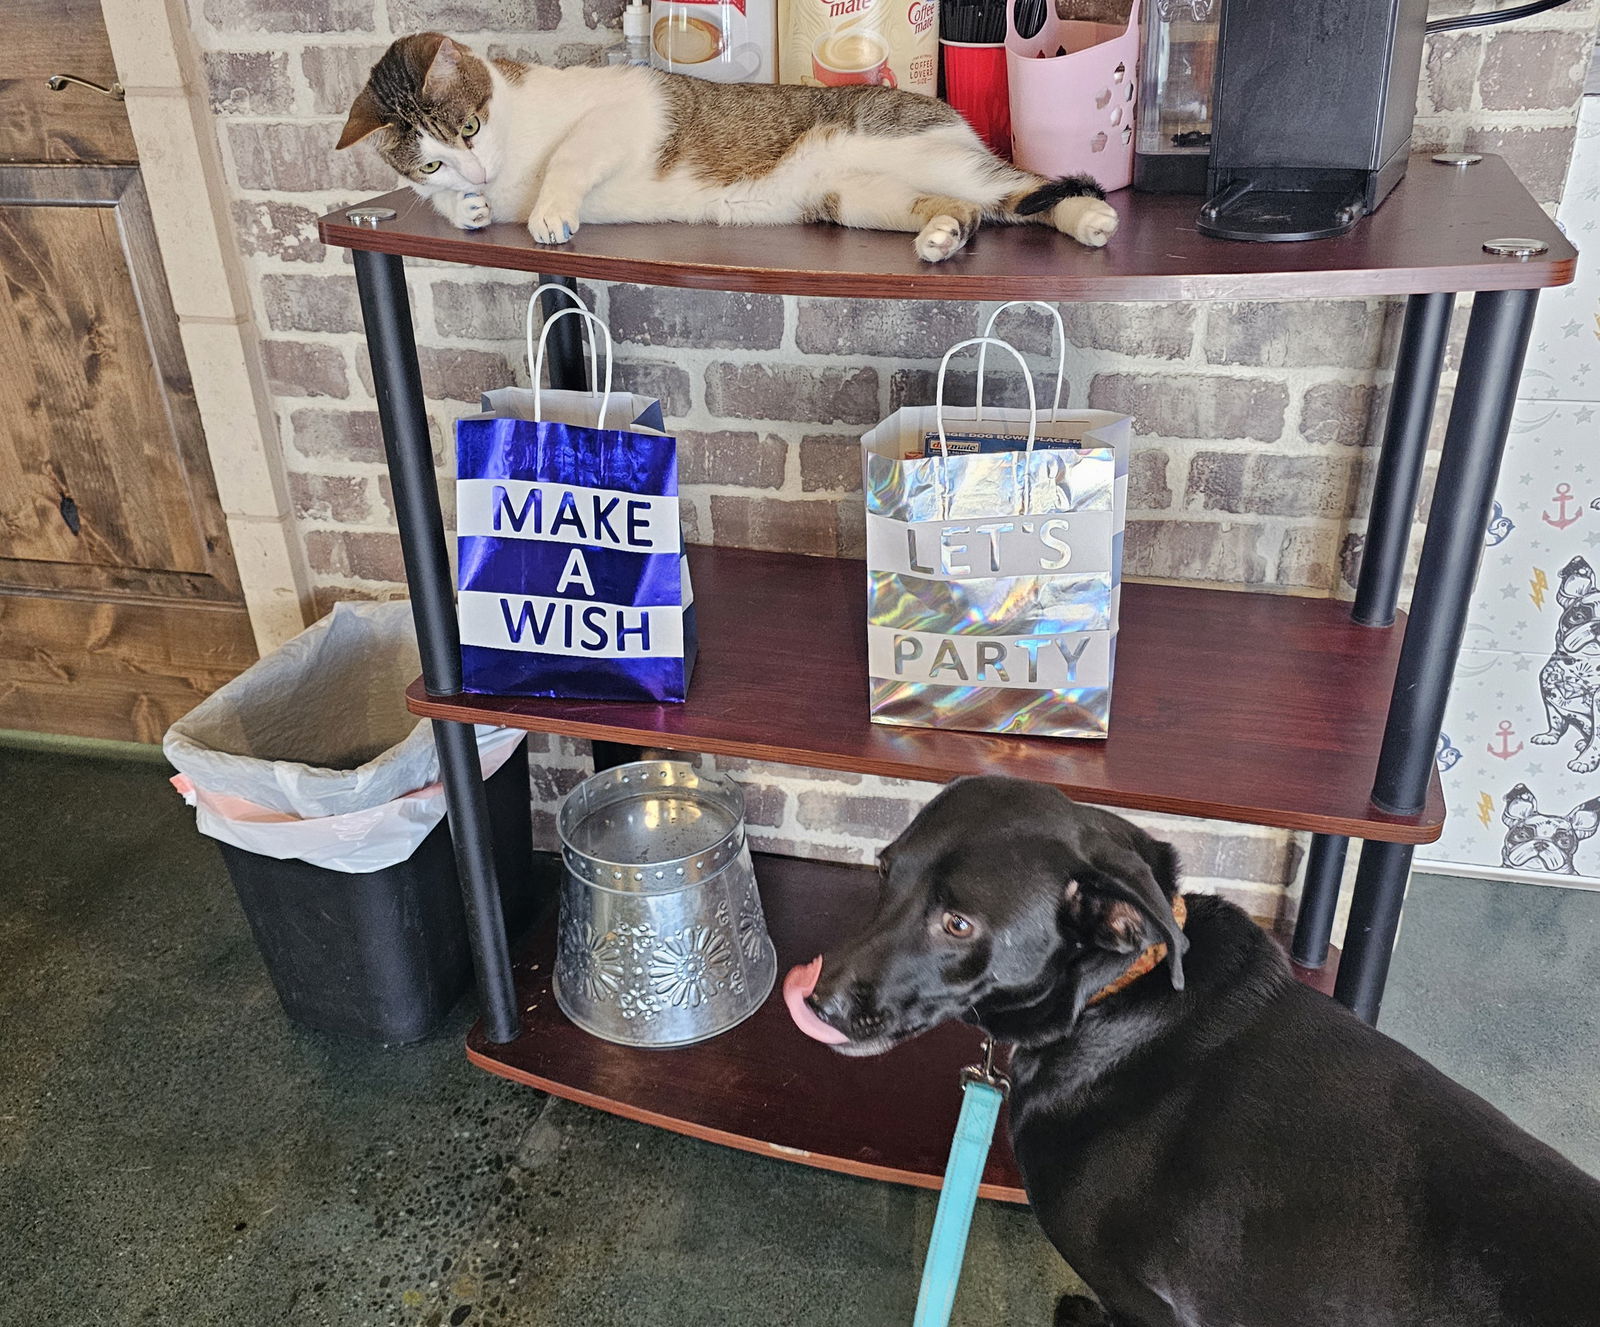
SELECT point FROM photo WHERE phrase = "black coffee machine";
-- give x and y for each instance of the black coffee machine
(1292, 117)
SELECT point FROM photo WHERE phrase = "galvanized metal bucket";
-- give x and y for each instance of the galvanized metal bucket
(662, 941)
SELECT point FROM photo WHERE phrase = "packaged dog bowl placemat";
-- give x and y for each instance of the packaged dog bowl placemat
(661, 939)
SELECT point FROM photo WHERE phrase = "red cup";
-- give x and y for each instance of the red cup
(975, 84)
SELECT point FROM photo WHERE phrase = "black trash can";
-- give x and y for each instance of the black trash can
(322, 793)
(384, 954)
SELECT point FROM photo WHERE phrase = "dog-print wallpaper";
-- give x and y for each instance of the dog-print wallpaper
(1520, 757)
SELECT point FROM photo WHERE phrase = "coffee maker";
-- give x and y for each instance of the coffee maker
(1307, 126)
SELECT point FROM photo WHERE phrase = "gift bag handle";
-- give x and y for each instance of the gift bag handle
(1061, 348)
(538, 360)
(527, 323)
(938, 408)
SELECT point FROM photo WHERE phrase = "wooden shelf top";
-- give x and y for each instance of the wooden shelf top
(1259, 708)
(763, 1086)
(1427, 236)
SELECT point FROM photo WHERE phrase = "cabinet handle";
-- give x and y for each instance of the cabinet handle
(58, 83)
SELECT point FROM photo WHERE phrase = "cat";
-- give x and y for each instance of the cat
(497, 140)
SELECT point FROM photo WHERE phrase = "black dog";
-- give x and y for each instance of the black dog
(1226, 1148)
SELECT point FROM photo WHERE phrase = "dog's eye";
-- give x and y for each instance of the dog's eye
(957, 925)
(428, 167)
(471, 127)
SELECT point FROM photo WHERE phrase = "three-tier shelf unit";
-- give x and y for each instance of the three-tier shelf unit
(1300, 713)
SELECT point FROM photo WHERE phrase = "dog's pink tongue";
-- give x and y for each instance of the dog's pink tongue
(797, 985)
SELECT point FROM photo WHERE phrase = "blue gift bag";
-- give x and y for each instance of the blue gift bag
(573, 579)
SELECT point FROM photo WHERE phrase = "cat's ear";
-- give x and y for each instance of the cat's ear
(364, 119)
(444, 68)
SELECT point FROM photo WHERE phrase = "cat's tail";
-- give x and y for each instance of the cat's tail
(1073, 204)
(1042, 194)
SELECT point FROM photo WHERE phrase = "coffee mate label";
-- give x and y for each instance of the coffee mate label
(726, 41)
(834, 43)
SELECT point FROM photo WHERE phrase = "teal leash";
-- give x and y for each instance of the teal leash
(982, 1091)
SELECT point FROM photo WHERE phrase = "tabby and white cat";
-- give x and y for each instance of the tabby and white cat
(500, 141)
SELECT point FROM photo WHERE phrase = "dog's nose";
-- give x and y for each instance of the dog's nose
(849, 1010)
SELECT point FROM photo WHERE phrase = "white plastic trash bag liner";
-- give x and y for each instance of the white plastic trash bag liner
(357, 841)
(311, 753)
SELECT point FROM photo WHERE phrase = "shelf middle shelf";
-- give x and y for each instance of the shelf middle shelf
(1258, 708)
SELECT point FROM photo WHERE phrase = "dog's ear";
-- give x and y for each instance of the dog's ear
(1586, 818)
(1577, 580)
(1520, 804)
(1112, 898)
(365, 119)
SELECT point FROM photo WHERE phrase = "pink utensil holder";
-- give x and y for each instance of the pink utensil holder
(1074, 113)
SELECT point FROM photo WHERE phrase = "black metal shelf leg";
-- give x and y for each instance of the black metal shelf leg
(1469, 465)
(565, 349)
(1398, 480)
(1380, 894)
(386, 312)
(1319, 899)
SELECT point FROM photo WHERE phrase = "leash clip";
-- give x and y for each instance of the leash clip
(986, 1073)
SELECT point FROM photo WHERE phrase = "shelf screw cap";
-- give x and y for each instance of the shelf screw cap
(1515, 247)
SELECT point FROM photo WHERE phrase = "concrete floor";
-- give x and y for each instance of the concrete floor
(172, 1151)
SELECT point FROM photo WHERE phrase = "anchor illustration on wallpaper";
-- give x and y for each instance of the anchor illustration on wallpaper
(1563, 498)
(1505, 734)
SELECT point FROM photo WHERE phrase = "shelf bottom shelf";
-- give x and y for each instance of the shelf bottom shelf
(763, 1087)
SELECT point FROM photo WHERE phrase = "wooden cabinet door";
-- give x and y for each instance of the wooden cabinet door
(119, 601)
(43, 37)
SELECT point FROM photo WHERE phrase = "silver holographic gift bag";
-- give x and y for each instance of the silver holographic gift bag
(993, 577)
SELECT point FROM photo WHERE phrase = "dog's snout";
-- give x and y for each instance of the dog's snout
(849, 1008)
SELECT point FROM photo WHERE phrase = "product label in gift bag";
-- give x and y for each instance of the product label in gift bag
(969, 444)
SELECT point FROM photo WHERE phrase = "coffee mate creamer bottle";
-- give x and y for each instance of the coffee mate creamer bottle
(727, 41)
(831, 43)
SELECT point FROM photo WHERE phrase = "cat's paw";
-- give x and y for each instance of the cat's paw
(553, 225)
(1090, 221)
(940, 238)
(470, 211)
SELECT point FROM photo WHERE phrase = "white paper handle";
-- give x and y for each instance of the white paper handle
(538, 359)
(1061, 348)
(527, 322)
(938, 410)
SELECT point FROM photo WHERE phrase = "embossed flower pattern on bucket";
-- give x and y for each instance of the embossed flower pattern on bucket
(752, 927)
(598, 960)
(691, 966)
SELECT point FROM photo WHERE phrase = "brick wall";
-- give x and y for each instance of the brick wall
(1253, 419)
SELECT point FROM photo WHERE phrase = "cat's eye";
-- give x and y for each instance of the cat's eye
(958, 926)
(428, 167)
(471, 127)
